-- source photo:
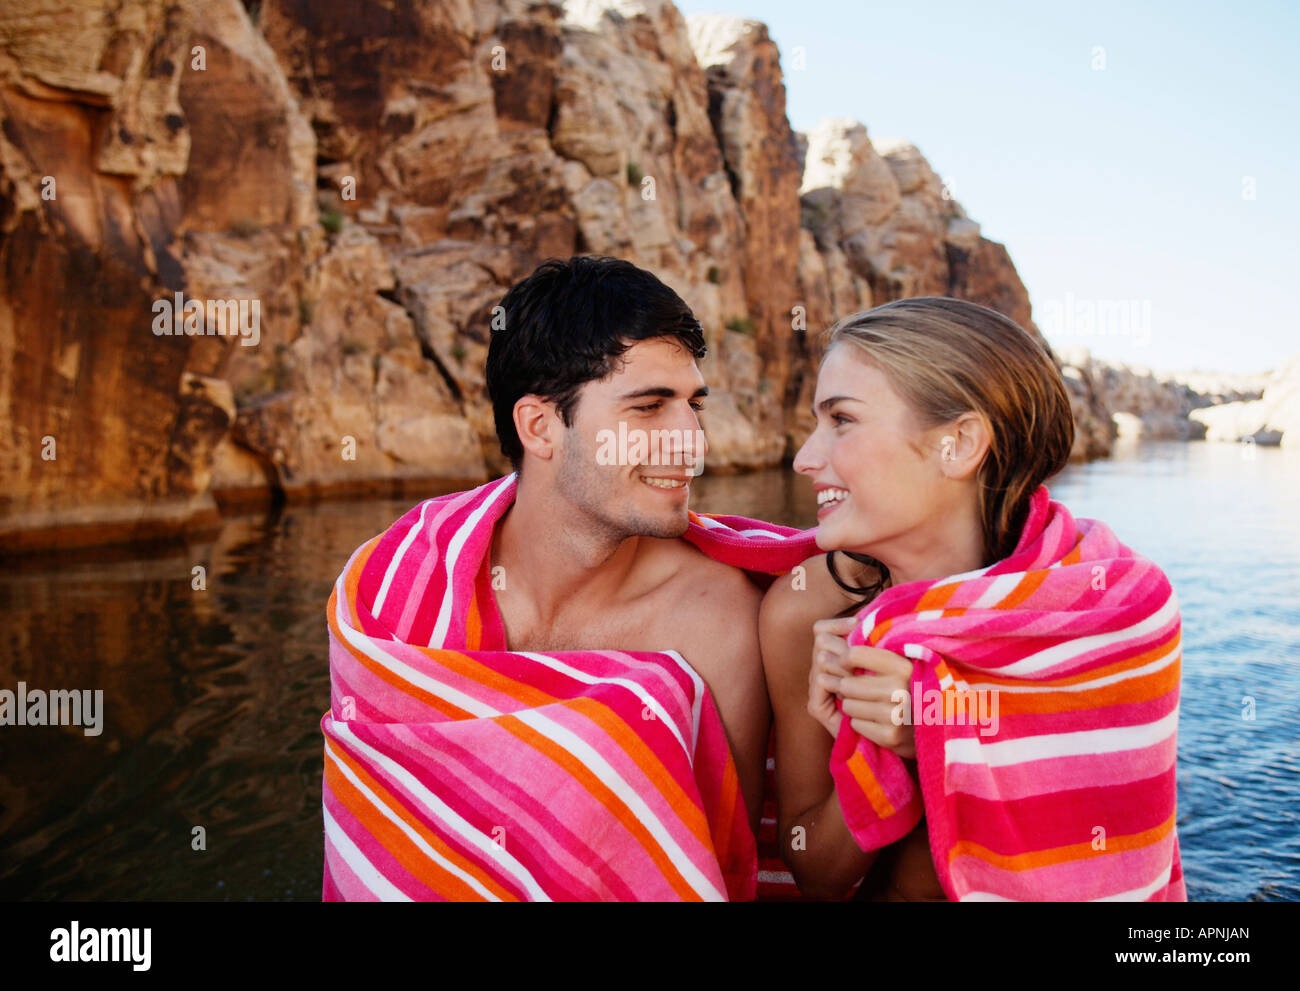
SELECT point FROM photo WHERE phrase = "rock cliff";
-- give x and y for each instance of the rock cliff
(1145, 404)
(1272, 418)
(374, 178)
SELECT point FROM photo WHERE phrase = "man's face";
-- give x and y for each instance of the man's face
(636, 442)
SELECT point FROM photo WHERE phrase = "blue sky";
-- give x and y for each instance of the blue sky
(1128, 184)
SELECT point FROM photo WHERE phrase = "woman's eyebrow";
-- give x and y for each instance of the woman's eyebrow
(830, 401)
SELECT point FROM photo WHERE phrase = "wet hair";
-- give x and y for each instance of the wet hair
(868, 591)
(568, 323)
(946, 357)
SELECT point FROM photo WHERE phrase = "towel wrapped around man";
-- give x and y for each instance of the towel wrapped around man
(458, 769)
(1074, 642)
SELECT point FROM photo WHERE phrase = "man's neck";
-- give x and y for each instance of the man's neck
(555, 558)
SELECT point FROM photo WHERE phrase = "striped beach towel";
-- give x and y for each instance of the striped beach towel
(456, 768)
(1074, 642)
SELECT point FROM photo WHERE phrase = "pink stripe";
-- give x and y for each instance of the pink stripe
(420, 580)
(483, 810)
(430, 596)
(534, 834)
(659, 804)
(371, 848)
(490, 779)
(1059, 773)
(1041, 822)
(1038, 803)
(345, 885)
(484, 797)
(1115, 716)
(1099, 876)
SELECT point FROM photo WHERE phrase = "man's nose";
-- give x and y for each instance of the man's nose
(696, 447)
(687, 437)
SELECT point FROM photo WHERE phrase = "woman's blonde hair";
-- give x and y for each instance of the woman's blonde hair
(946, 357)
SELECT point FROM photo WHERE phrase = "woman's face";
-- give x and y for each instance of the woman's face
(876, 473)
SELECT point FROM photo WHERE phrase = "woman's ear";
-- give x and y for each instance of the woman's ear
(963, 446)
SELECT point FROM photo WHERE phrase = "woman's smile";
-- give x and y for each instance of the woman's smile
(829, 499)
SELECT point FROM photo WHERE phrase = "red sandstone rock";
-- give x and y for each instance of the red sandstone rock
(376, 180)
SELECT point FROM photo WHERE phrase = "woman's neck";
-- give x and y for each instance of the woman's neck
(952, 546)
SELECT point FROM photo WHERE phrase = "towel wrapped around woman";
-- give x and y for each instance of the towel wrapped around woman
(1069, 651)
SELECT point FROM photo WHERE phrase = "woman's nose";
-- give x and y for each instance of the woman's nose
(809, 459)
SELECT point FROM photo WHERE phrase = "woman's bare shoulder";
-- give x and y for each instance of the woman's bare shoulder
(785, 622)
(809, 593)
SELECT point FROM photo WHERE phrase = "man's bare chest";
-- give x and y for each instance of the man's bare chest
(645, 625)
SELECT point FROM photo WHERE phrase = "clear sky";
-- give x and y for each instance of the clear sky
(1115, 151)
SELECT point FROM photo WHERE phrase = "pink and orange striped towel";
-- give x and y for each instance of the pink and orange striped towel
(1073, 797)
(458, 769)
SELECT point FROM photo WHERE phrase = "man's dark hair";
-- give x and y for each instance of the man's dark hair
(567, 324)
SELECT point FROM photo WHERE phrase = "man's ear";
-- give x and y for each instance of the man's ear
(964, 445)
(535, 421)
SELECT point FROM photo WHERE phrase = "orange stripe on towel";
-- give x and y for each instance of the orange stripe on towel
(645, 759)
(473, 625)
(396, 841)
(386, 674)
(1061, 854)
(1075, 555)
(1170, 643)
(1026, 587)
(937, 597)
(726, 813)
(861, 771)
(353, 578)
(350, 581)
(581, 773)
(1143, 688)
(481, 676)
(879, 631)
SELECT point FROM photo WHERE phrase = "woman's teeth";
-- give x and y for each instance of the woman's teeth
(663, 483)
(827, 497)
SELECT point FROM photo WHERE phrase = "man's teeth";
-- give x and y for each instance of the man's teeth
(663, 483)
(826, 496)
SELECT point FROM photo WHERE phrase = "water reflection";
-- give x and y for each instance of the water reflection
(212, 700)
(213, 696)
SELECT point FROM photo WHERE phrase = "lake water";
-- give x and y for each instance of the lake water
(205, 782)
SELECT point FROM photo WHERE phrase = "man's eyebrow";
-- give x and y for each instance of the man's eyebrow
(663, 392)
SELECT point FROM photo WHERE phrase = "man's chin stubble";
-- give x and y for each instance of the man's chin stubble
(659, 528)
(672, 531)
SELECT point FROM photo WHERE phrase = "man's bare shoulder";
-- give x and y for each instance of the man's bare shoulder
(707, 589)
(699, 572)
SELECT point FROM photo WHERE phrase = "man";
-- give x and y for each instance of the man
(537, 691)
(592, 349)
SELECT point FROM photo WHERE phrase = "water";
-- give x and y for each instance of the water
(1223, 521)
(213, 697)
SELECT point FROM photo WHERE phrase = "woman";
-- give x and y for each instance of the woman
(1002, 721)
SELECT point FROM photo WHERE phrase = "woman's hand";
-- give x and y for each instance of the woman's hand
(869, 698)
(830, 649)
